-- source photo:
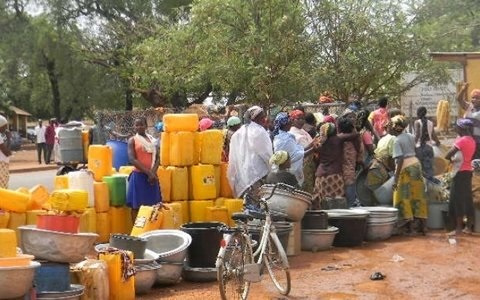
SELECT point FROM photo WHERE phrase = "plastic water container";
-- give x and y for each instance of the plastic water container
(212, 146)
(203, 182)
(119, 288)
(120, 153)
(4, 217)
(38, 197)
(103, 227)
(13, 201)
(148, 218)
(165, 180)
(181, 148)
(120, 220)
(102, 196)
(8, 243)
(83, 180)
(117, 186)
(225, 189)
(180, 122)
(51, 277)
(198, 210)
(233, 206)
(180, 182)
(165, 149)
(100, 161)
(70, 145)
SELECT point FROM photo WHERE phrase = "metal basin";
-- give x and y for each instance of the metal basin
(169, 245)
(379, 231)
(199, 274)
(56, 246)
(145, 277)
(16, 281)
(169, 273)
(74, 293)
(318, 239)
(287, 200)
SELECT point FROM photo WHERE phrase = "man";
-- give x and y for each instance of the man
(49, 140)
(250, 152)
(379, 118)
(41, 145)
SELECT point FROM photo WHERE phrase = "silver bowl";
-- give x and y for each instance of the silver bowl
(74, 293)
(169, 245)
(199, 274)
(169, 273)
(16, 281)
(56, 246)
(318, 239)
(287, 200)
(379, 231)
(145, 277)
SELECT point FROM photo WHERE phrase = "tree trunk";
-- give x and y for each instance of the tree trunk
(53, 78)
(204, 95)
(128, 100)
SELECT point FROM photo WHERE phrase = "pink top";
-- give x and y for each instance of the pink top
(144, 157)
(380, 119)
(465, 144)
(367, 138)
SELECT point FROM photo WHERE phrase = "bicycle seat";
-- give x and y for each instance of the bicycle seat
(241, 217)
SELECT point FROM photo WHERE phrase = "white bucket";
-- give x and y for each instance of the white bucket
(82, 180)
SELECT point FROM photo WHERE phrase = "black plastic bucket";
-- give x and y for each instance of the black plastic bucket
(351, 230)
(315, 219)
(206, 239)
(283, 231)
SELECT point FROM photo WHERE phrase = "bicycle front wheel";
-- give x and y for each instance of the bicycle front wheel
(231, 270)
(277, 264)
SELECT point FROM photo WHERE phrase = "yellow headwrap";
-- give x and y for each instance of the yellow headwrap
(279, 158)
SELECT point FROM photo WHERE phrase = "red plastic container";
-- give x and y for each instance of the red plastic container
(68, 224)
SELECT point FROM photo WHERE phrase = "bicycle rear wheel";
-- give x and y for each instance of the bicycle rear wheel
(277, 264)
(231, 269)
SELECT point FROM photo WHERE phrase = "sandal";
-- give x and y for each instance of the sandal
(377, 276)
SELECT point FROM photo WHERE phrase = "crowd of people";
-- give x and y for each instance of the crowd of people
(324, 156)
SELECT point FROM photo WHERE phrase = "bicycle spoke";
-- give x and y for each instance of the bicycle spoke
(231, 270)
(277, 265)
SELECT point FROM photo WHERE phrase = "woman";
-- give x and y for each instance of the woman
(329, 180)
(461, 201)
(250, 152)
(5, 153)
(305, 139)
(143, 184)
(310, 125)
(205, 124)
(284, 140)
(366, 136)
(472, 111)
(424, 137)
(379, 118)
(280, 174)
(409, 190)
(382, 163)
(233, 124)
(352, 156)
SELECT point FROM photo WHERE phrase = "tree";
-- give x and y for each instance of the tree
(364, 47)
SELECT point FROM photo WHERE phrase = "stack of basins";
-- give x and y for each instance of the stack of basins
(351, 224)
(316, 234)
(380, 222)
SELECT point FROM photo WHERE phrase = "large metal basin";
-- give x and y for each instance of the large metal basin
(287, 200)
(318, 239)
(169, 245)
(169, 273)
(145, 277)
(16, 281)
(56, 246)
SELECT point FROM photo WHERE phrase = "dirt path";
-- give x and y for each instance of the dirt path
(431, 269)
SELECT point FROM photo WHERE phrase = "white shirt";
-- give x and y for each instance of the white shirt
(40, 132)
(3, 157)
(301, 136)
(250, 152)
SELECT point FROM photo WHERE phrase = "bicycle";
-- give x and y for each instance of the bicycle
(238, 265)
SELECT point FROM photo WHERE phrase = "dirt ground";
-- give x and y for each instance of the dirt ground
(426, 268)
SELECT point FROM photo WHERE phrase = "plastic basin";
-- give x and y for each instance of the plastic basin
(52, 277)
(69, 224)
(15, 282)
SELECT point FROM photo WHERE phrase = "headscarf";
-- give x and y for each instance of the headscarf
(329, 119)
(205, 124)
(464, 123)
(325, 131)
(296, 114)
(159, 126)
(3, 121)
(279, 157)
(475, 93)
(362, 117)
(348, 111)
(399, 121)
(252, 113)
(232, 121)
(280, 120)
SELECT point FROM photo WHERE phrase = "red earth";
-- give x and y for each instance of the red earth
(426, 267)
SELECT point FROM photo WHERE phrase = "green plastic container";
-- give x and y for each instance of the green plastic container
(117, 187)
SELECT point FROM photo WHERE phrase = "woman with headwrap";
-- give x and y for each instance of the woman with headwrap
(409, 189)
(364, 128)
(382, 163)
(472, 111)
(304, 138)
(205, 124)
(250, 152)
(329, 182)
(284, 140)
(5, 138)
(461, 201)
(280, 173)
(233, 124)
(424, 138)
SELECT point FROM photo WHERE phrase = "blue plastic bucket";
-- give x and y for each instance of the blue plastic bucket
(50, 277)
(120, 153)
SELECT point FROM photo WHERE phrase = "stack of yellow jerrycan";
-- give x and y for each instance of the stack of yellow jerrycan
(192, 175)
